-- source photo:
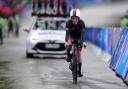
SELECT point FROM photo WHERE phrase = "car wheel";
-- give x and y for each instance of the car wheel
(29, 55)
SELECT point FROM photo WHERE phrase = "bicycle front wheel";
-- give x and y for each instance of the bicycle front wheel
(74, 71)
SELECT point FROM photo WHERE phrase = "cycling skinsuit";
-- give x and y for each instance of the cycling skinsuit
(75, 32)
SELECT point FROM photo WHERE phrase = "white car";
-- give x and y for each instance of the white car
(46, 36)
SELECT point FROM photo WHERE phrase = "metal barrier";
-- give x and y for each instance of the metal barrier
(115, 42)
(102, 37)
(119, 61)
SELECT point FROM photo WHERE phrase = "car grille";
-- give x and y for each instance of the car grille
(42, 46)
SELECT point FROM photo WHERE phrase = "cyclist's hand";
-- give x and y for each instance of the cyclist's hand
(66, 44)
(84, 44)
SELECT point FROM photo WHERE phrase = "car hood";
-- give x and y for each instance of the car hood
(52, 35)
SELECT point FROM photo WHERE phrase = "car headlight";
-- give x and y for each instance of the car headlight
(34, 37)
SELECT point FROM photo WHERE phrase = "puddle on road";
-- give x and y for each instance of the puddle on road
(5, 81)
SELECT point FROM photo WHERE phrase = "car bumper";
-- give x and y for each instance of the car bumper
(37, 51)
(41, 49)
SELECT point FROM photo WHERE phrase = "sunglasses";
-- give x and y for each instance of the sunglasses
(74, 17)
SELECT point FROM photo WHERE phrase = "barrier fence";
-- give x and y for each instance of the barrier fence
(115, 42)
(100, 37)
(119, 60)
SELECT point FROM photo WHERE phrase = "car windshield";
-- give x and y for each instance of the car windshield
(50, 25)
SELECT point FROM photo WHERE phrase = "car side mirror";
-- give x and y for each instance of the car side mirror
(27, 30)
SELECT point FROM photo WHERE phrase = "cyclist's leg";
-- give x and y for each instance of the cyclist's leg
(69, 56)
(79, 72)
(68, 48)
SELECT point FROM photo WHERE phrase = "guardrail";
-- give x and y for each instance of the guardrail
(100, 37)
(115, 42)
(119, 60)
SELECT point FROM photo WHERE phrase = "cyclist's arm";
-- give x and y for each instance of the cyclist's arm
(83, 35)
(83, 31)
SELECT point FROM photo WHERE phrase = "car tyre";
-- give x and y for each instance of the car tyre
(29, 55)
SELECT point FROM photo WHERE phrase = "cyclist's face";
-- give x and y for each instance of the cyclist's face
(74, 20)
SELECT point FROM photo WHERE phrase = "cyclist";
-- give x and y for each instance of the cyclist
(75, 30)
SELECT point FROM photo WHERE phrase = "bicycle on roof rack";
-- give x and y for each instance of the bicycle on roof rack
(50, 8)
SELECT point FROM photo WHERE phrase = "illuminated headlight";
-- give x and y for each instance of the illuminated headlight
(34, 38)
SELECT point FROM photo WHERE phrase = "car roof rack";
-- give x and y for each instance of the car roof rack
(51, 19)
(49, 15)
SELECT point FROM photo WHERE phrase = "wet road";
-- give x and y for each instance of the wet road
(18, 72)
